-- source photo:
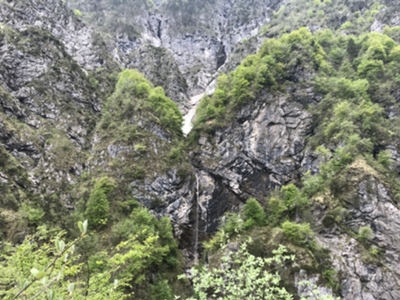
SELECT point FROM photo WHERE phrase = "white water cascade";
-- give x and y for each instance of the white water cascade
(187, 119)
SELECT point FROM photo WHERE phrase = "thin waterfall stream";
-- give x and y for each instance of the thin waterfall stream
(196, 224)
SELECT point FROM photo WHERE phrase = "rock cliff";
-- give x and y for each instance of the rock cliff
(198, 37)
(66, 118)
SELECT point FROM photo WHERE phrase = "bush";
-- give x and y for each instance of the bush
(77, 13)
(370, 69)
(254, 214)
(98, 207)
(395, 54)
(34, 215)
(177, 154)
(241, 275)
(233, 224)
(365, 234)
(275, 209)
(161, 291)
(292, 198)
(299, 234)
(384, 158)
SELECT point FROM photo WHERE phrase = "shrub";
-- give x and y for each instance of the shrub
(299, 234)
(254, 214)
(139, 173)
(143, 89)
(176, 154)
(395, 54)
(365, 234)
(161, 291)
(376, 51)
(312, 184)
(370, 68)
(241, 275)
(34, 215)
(384, 158)
(98, 206)
(233, 224)
(352, 47)
(97, 210)
(275, 209)
(77, 13)
(292, 198)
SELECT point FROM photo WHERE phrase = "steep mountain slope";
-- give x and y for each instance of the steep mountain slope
(55, 141)
(308, 126)
(49, 102)
(319, 105)
(77, 140)
(199, 36)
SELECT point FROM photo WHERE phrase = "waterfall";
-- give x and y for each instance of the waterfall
(187, 119)
(196, 224)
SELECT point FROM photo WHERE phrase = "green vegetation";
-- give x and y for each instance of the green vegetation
(253, 213)
(83, 269)
(139, 127)
(134, 94)
(77, 13)
(45, 265)
(354, 79)
(98, 206)
(338, 15)
(299, 234)
(365, 234)
(242, 275)
(271, 67)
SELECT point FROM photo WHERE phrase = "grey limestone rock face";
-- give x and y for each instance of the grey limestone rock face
(158, 65)
(53, 17)
(199, 36)
(262, 149)
(360, 276)
(195, 204)
(308, 286)
(48, 106)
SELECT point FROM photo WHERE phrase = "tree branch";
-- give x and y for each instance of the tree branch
(49, 266)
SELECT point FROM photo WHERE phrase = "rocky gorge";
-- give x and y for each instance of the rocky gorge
(69, 118)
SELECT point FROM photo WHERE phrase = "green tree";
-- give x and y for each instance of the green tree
(45, 266)
(254, 214)
(98, 206)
